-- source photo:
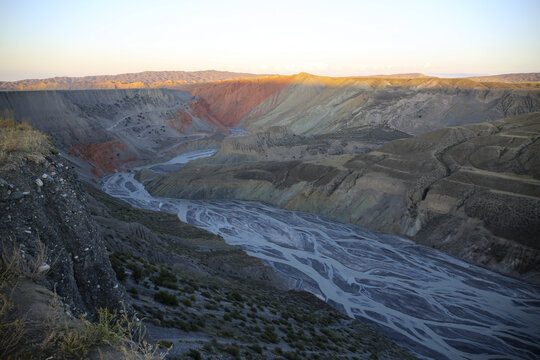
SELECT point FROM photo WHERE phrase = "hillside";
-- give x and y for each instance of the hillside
(109, 128)
(471, 191)
(147, 79)
(308, 104)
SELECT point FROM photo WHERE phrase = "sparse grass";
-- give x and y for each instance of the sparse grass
(11, 329)
(15, 137)
(32, 266)
(121, 332)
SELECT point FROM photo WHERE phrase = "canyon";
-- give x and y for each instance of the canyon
(395, 154)
(451, 164)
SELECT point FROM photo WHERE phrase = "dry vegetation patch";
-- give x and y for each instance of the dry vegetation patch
(20, 137)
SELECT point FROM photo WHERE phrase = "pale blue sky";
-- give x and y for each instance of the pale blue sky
(338, 38)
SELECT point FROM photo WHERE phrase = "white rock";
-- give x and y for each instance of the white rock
(44, 268)
(44, 176)
(39, 183)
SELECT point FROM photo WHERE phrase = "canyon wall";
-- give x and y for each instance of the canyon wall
(108, 128)
(307, 104)
(472, 191)
(315, 105)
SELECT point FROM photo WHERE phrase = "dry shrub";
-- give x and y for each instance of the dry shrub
(22, 137)
(120, 331)
(16, 263)
(11, 327)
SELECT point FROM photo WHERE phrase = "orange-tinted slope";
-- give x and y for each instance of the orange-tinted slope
(106, 156)
(229, 101)
(182, 119)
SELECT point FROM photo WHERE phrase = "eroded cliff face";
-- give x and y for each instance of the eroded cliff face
(308, 104)
(231, 101)
(311, 105)
(107, 128)
(472, 191)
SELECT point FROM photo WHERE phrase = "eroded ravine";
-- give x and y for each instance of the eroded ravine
(431, 303)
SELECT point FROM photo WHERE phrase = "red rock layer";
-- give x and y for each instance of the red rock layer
(230, 101)
(106, 156)
(201, 109)
(182, 120)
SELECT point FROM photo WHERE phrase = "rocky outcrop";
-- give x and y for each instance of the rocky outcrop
(51, 222)
(472, 191)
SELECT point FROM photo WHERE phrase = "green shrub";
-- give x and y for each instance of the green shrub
(257, 348)
(118, 268)
(234, 350)
(235, 296)
(165, 344)
(166, 298)
(186, 302)
(194, 354)
(166, 279)
(136, 272)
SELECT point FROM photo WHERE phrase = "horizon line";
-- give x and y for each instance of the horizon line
(439, 75)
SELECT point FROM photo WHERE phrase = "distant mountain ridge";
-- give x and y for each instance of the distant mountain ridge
(146, 79)
(175, 79)
(511, 78)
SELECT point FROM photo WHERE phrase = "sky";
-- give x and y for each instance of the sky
(40, 39)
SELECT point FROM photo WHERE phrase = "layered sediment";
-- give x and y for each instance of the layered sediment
(472, 191)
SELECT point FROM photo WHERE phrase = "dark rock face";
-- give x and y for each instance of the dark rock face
(472, 191)
(55, 215)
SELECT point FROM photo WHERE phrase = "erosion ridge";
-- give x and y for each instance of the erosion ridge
(308, 104)
(471, 191)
